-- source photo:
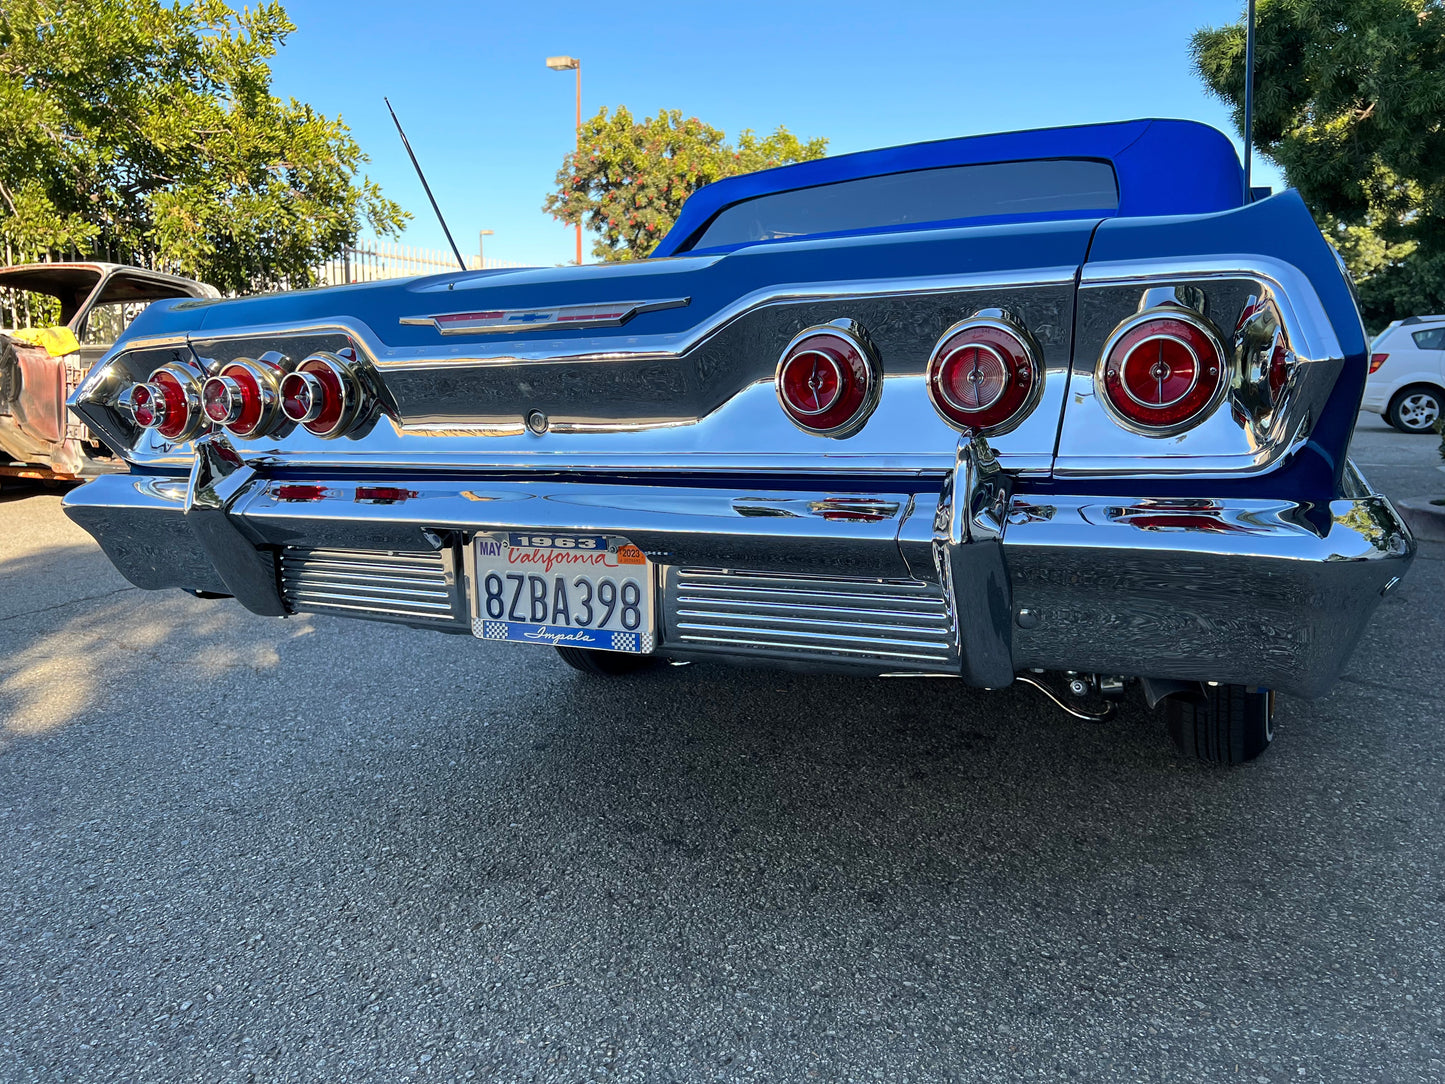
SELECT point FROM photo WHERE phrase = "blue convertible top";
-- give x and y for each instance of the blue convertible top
(1161, 167)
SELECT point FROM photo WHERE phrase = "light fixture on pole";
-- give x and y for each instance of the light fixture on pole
(481, 258)
(564, 64)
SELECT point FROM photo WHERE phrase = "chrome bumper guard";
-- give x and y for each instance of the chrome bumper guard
(955, 576)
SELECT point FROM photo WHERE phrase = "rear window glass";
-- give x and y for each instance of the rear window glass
(922, 196)
(1434, 339)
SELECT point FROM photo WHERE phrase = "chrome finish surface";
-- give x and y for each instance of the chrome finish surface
(707, 409)
(900, 624)
(969, 560)
(343, 369)
(979, 579)
(218, 482)
(189, 376)
(675, 345)
(611, 314)
(1267, 593)
(1247, 438)
(140, 523)
(843, 533)
(389, 585)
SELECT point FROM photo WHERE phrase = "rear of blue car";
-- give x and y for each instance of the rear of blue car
(1058, 406)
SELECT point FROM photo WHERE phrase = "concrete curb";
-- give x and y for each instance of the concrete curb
(1426, 520)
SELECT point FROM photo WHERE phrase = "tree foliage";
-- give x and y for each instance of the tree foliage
(1349, 98)
(149, 133)
(628, 179)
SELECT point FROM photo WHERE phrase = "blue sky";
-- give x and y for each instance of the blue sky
(491, 123)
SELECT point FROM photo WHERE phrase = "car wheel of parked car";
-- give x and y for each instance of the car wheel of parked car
(604, 663)
(1416, 409)
(1231, 725)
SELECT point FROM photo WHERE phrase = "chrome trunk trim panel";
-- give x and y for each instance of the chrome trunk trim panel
(1237, 438)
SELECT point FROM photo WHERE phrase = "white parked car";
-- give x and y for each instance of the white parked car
(1407, 374)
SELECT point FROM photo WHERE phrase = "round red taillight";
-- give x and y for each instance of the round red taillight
(1161, 371)
(242, 397)
(169, 402)
(320, 394)
(828, 380)
(143, 400)
(984, 375)
(176, 416)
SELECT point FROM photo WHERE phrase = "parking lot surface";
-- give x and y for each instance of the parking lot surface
(235, 848)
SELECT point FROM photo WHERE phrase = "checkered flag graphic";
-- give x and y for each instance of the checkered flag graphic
(624, 641)
(489, 630)
(646, 642)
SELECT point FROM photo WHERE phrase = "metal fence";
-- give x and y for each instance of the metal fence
(383, 260)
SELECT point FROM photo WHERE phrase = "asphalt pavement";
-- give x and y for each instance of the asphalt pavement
(242, 849)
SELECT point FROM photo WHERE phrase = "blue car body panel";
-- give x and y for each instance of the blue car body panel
(1163, 167)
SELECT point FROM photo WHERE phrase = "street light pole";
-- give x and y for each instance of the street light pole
(482, 235)
(562, 64)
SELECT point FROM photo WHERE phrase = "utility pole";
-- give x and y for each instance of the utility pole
(562, 64)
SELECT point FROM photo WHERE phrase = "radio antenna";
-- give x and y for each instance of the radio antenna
(1248, 100)
(422, 176)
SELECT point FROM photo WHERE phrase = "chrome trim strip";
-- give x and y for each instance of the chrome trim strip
(1304, 313)
(639, 347)
(491, 321)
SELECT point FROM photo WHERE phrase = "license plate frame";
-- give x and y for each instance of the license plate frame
(504, 570)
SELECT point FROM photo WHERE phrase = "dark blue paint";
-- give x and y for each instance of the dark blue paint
(1163, 167)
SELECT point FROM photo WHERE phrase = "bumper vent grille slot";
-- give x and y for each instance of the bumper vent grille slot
(896, 623)
(408, 587)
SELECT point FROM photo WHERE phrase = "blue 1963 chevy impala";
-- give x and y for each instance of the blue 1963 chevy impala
(1061, 406)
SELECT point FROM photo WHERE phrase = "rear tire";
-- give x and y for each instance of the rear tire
(1416, 409)
(604, 663)
(1231, 725)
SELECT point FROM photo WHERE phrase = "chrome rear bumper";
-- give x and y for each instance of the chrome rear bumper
(945, 575)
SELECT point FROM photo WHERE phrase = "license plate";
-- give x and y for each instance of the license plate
(569, 590)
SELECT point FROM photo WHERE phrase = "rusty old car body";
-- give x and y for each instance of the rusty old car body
(96, 301)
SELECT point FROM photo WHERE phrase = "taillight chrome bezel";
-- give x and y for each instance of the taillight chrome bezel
(1198, 401)
(249, 396)
(322, 394)
(1002, 340)
(168, 403)
(846, 350)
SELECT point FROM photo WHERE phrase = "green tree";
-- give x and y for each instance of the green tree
(629, 178)
(148, 133)
(1349, 96)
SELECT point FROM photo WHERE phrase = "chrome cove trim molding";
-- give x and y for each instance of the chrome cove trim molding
(1303, 311)
(492, 321)
(638, 347)
(1236, 439)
